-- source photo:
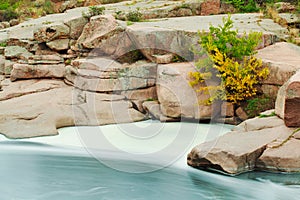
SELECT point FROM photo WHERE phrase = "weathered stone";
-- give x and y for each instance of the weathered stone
(285, 158)
(51, 32)
(94, 75)
(76, 25)
(210, 7)
(241, 113)
(235, 152)
(139, 96)
(176, 97)
(45, 59)
(97, 30)
(45, 105)
(163, 59)
(288, 101)
(25, 71)
(18, 52)
(156, 41)
(59, 44)
(25, 87)
(282, 59)
(257, 123)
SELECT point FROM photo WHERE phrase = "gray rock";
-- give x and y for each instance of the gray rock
(59, 44)
(18, 52)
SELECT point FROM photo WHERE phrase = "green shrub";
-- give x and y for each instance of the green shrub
(244, 5)
(256, 105)
(134, 16)
(93, 11)
(230, 57)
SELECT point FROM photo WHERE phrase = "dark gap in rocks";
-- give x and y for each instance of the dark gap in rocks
(131, 57)
(63, 51)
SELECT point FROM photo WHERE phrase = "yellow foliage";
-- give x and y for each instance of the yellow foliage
(239, 80)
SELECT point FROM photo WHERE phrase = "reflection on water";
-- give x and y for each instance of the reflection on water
(30, 171)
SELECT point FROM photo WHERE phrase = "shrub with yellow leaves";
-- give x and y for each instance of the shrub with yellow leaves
(239, 72)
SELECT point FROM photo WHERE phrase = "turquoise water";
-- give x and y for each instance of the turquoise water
(35, 171)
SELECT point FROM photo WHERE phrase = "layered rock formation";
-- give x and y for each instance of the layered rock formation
(268, 143)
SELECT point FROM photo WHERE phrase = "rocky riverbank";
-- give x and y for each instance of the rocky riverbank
(70, 70)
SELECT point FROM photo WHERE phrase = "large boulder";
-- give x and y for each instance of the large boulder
(105, 75)
(76, 25)
(288, 101)
(27, 71)
(99, 29)
(239, 151)
(46, 105)
(175, 95)
(152, 41)
(52, 31)
(282, 60)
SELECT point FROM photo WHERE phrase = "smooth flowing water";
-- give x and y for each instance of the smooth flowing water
(59, 168)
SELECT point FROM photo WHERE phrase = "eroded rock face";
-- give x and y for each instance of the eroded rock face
(238, 151)
(26, 71)
(105, 75)
(288, 101)
(176, 97)
(52, 31)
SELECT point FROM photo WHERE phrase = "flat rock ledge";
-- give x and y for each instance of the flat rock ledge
(256, 144)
